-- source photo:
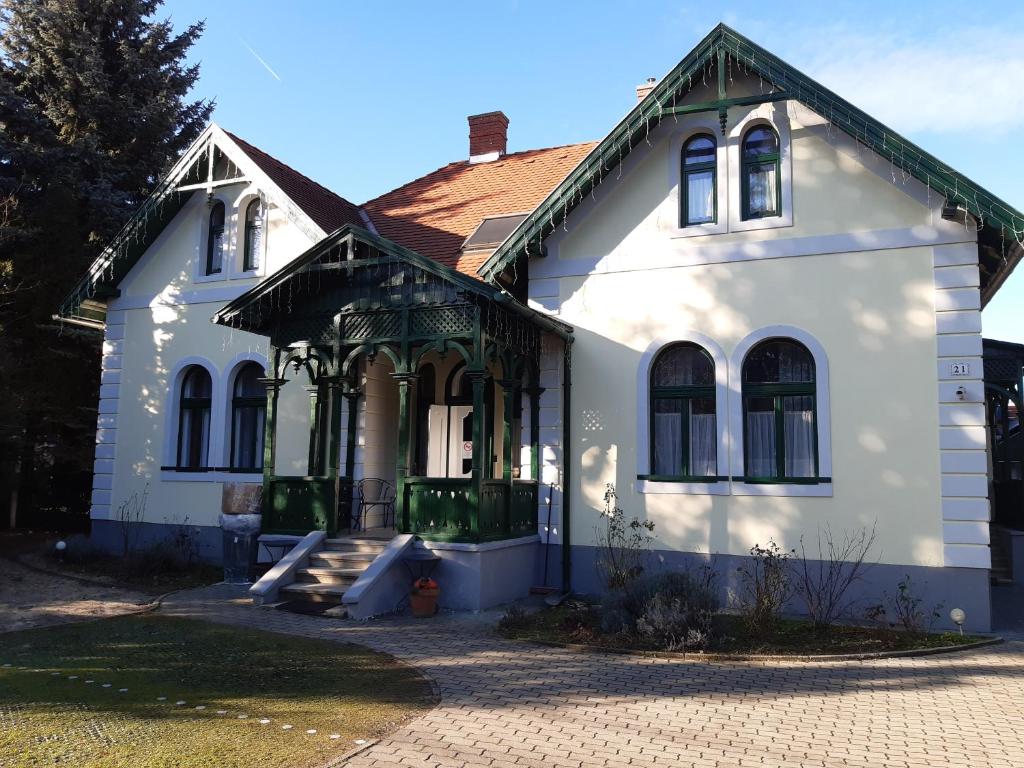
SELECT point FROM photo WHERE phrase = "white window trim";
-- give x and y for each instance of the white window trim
(692, 127)
(822, 405)
(199, 272)
(643, 444)
(227, 395)
(238, 239)
(775, 116)
(215, 446)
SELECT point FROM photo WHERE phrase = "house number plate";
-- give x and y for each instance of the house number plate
(959, 369)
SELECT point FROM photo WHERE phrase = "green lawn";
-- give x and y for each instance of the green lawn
(221, 673)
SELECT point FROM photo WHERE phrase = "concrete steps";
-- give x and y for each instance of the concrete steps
(331, 570)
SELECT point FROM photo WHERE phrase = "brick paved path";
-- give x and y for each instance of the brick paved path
(507, 704)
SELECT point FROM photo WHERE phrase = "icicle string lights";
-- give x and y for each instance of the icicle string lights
(911, 161)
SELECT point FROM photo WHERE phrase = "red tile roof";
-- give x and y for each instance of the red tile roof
(434, 214)
(328, 210)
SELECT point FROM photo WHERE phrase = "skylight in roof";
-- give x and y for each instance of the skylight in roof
(492, 231)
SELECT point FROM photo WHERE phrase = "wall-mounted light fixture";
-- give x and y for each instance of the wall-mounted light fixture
(961, 393)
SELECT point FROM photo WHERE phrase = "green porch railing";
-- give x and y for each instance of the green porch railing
(441, 509)
(298, 505)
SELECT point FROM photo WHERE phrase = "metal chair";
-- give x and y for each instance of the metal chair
(375, 493)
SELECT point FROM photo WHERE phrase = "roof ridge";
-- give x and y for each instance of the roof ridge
(466, 162)
(314, 182)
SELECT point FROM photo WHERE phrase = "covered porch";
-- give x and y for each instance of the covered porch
(384, 364)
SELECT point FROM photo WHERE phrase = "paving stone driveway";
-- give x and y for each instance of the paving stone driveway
(508, 704)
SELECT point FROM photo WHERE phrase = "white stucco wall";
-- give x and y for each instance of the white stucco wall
(160, 323)
(851, 264)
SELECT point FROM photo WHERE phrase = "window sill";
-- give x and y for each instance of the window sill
(784, 219)
(696, 230)
(210, 475)
(217, 277)
(816, 488)
(683, 487)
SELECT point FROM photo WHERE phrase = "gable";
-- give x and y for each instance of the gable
(1001, 227)
(831, 188)
(215, 160)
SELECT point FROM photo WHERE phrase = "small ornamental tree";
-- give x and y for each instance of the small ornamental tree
(623, 544)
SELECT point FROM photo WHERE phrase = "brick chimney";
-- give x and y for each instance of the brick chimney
(646, 88)
(488, 136)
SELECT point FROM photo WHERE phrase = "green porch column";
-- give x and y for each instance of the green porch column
(478, 379)
(313, 467)
(333, 450)
(405, 382)
(508, 390)
(273, 386)
(351, 395)
(534, 393)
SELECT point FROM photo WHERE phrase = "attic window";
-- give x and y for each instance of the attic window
(493, 231)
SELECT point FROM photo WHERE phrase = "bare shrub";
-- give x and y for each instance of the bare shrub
(130, 513)
(672, 610)
(766, 585)
(514, 618)
(623, 544)
(823, 582)
(909, 610)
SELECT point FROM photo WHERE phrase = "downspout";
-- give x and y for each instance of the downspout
(566, 446)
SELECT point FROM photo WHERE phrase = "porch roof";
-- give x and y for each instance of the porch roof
(342, 252)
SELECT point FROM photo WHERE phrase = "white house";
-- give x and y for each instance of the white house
(751, 307)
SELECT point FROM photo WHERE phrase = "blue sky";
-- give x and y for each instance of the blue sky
(365, 96)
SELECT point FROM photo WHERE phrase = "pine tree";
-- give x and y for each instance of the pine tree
(93, 108)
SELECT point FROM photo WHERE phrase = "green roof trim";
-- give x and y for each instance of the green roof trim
(1003, 225)
(234, 313)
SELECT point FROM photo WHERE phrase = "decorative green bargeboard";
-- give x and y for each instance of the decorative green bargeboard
(356, 296)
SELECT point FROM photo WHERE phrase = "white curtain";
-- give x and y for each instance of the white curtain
(761, 444)
(700, 197)
(668, 443)
(194, 426)
(248, 431)
(762, 189)
(799, 426)
(703, 458)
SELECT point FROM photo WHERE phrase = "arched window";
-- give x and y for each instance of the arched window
(760, 176)
(699, 197)
(779, 413)
(248, 412)
(215, 240)
(253, 235)
(683, 429)
(194, 418)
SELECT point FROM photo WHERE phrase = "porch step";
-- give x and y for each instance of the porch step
(341, 559)
(355, 544)
(338, 576)
(314, 593)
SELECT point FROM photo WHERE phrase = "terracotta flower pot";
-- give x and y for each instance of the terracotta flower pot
(423, 599)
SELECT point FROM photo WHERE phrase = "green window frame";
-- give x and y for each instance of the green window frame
(694, 398)
(760, 152)
(196, 399)
(693, 163)
(253, 235)
(780, 395)
(215, 240)
(248, 418)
